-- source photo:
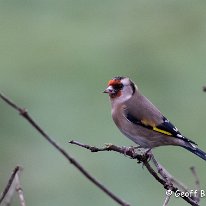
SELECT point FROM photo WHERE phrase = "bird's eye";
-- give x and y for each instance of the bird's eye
(118, 86)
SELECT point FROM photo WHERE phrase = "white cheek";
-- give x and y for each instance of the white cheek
(125, 81)
(123, 98)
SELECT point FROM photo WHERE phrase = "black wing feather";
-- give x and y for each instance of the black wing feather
(136, 121)
(165, 126)
(169, 127)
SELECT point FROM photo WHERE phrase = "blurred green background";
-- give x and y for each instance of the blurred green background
(55, 60)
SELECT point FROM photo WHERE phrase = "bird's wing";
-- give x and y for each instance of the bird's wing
(145, 114)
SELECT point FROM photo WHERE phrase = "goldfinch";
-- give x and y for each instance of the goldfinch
(139, 120)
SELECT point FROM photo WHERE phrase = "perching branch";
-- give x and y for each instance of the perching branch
(24, 113)
(166, 179)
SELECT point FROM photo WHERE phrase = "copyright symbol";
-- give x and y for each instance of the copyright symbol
(168, 192)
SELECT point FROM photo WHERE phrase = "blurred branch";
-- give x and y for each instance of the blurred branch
(24, 113)
(204, 88)
(197, 183)
(19, 190)
(166, 178)
(166, 201)
(12, 185)
(8, 186)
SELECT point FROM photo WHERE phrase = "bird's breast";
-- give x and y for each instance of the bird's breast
(124, 125)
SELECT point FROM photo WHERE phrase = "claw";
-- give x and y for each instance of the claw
(148, 154)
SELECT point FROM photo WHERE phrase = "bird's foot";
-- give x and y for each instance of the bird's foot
(146, 157)
(148, 154)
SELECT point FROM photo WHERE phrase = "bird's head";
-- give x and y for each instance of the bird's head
(120, 88)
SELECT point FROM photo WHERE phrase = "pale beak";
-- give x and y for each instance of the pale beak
(109, 90)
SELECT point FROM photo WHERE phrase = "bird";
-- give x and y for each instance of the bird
(142, 122)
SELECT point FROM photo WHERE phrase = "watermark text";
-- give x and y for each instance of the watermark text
(190, 193)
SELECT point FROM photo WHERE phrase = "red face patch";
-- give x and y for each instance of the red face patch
(114, 82)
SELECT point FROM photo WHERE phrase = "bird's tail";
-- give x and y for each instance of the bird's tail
(196, 151)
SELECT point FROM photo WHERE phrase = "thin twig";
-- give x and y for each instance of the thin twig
(110, 147)
(8, 186)
(19, 191)
(178, 183)
(141, 158)
(167, 176)
(161, 170)
(24, 113)
(166, 201)
(197, 184)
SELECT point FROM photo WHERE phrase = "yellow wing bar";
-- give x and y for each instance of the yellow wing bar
(162, 131)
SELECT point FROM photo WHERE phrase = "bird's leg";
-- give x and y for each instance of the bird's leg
(148, 151)
(147, 155)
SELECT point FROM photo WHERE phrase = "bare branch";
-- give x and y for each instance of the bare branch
(167, 199)
(19, 191)
(142, 159)
(167, 176)
(162, 171)
(12, 185)
(110, 147)
(24, 113)
(197, 183)
(9, 184)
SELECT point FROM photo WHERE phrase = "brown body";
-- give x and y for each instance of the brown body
(139, 120)
(144, 137)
